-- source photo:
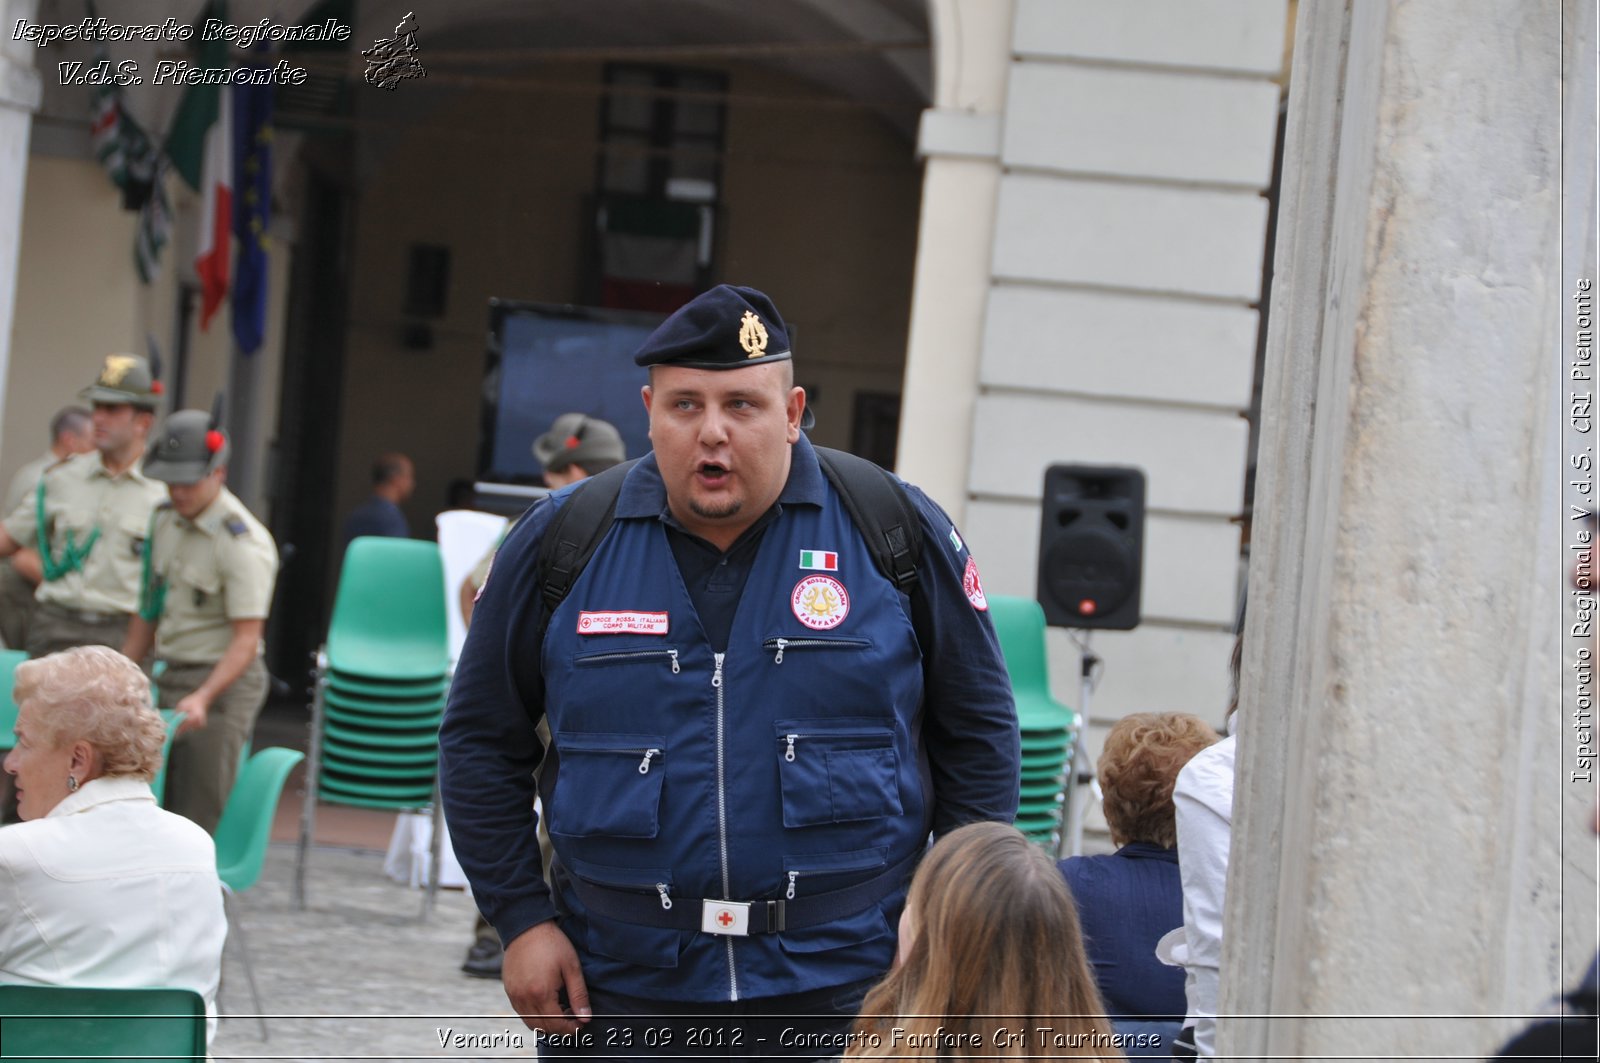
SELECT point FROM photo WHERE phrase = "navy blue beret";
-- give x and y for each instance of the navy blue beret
(724, 328)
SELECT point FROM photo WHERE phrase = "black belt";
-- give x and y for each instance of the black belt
(764, 916)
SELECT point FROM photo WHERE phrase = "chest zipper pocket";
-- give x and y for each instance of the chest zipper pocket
(640, 656)
(780, 645)
(837, 770)
(608, 785)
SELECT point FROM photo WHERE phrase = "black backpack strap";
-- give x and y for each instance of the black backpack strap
(887, 520)
(575, 533)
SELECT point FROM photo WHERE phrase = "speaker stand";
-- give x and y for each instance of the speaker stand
(1083, 788)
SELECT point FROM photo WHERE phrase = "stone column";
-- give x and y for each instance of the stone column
(1402, 795)
(19, 98)
(960, 139)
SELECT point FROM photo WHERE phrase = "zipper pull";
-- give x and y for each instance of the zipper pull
(674, 655)
(666, 902)
(788, 754)
(781, 644)
(789, 893)
(716, 677)
(644, 765)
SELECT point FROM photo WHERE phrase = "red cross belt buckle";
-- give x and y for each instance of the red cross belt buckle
(725, 917)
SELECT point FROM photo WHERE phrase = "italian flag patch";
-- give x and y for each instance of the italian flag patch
(821, 560)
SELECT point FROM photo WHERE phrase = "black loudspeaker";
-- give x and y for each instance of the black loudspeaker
(1091, 546)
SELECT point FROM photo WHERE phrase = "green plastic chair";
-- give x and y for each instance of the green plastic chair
(356, 759)
(74, 1023)
(9, 659)
(356, 687)
(242, 836)
(1019, 623)
(389, 613)
(385, 666)
(397, 708)
(375, 722)
(376, 731)
(1048, 728)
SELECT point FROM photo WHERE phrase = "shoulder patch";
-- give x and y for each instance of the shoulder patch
(236, 527)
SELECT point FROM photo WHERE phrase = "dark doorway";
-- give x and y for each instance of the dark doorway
(308, 428)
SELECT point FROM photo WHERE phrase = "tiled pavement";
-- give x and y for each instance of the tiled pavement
(356, 975)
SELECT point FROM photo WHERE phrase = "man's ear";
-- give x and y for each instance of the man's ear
(794, 410)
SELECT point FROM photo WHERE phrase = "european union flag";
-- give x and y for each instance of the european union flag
(252, 210)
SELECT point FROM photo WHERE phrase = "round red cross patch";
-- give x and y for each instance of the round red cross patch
(820, 602)
(974, 586)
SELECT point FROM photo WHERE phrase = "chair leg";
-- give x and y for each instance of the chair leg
(435, 849)
(308, 808)
(236, 925)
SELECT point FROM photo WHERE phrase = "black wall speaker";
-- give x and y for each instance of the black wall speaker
(1091, 546)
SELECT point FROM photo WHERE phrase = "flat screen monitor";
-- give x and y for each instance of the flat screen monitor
(546, 360)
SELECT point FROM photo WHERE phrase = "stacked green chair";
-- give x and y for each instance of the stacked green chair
(9, 659)
(242, 836)
(73, 1023)
(1049, 729)
(380, 687)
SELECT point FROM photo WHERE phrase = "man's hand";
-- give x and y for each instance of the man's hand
(538, 964)
(28, 565)
(194, 709)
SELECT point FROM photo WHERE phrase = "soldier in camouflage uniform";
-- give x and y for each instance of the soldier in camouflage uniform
(88, 518)
(209, 567)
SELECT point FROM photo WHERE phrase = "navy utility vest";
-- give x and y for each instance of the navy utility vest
(790, 765)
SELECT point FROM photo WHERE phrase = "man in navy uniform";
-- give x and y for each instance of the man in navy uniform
(752, 740)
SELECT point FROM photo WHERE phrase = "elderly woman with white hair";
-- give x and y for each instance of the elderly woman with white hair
(98, 885)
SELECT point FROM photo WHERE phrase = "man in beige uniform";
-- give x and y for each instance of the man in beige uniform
(89, 519)
(71, 432)
(207, 591)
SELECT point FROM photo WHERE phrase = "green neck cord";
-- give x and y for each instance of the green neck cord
(72, 555)
(152, 593)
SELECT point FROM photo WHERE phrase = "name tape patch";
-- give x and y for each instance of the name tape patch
(622, 622)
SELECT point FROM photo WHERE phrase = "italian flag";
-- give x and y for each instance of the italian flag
(825, 560)
(200, 146)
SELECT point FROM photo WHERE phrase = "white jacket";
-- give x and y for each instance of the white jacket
(109, 890)
(1203, 798)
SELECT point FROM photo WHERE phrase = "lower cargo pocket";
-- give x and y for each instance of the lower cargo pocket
(636, 943)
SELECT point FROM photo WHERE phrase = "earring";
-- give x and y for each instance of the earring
(72, 784)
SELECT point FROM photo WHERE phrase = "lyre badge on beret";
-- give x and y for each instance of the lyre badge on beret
(752, 335)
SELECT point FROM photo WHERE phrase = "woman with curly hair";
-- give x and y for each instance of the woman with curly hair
(98, 886)
(991, 961)
(1128, 899)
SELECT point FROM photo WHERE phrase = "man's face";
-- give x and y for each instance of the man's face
(407, 480)
(571, 473)
(76, 441)
(191, 500)
(119, 426)
(722, 439)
